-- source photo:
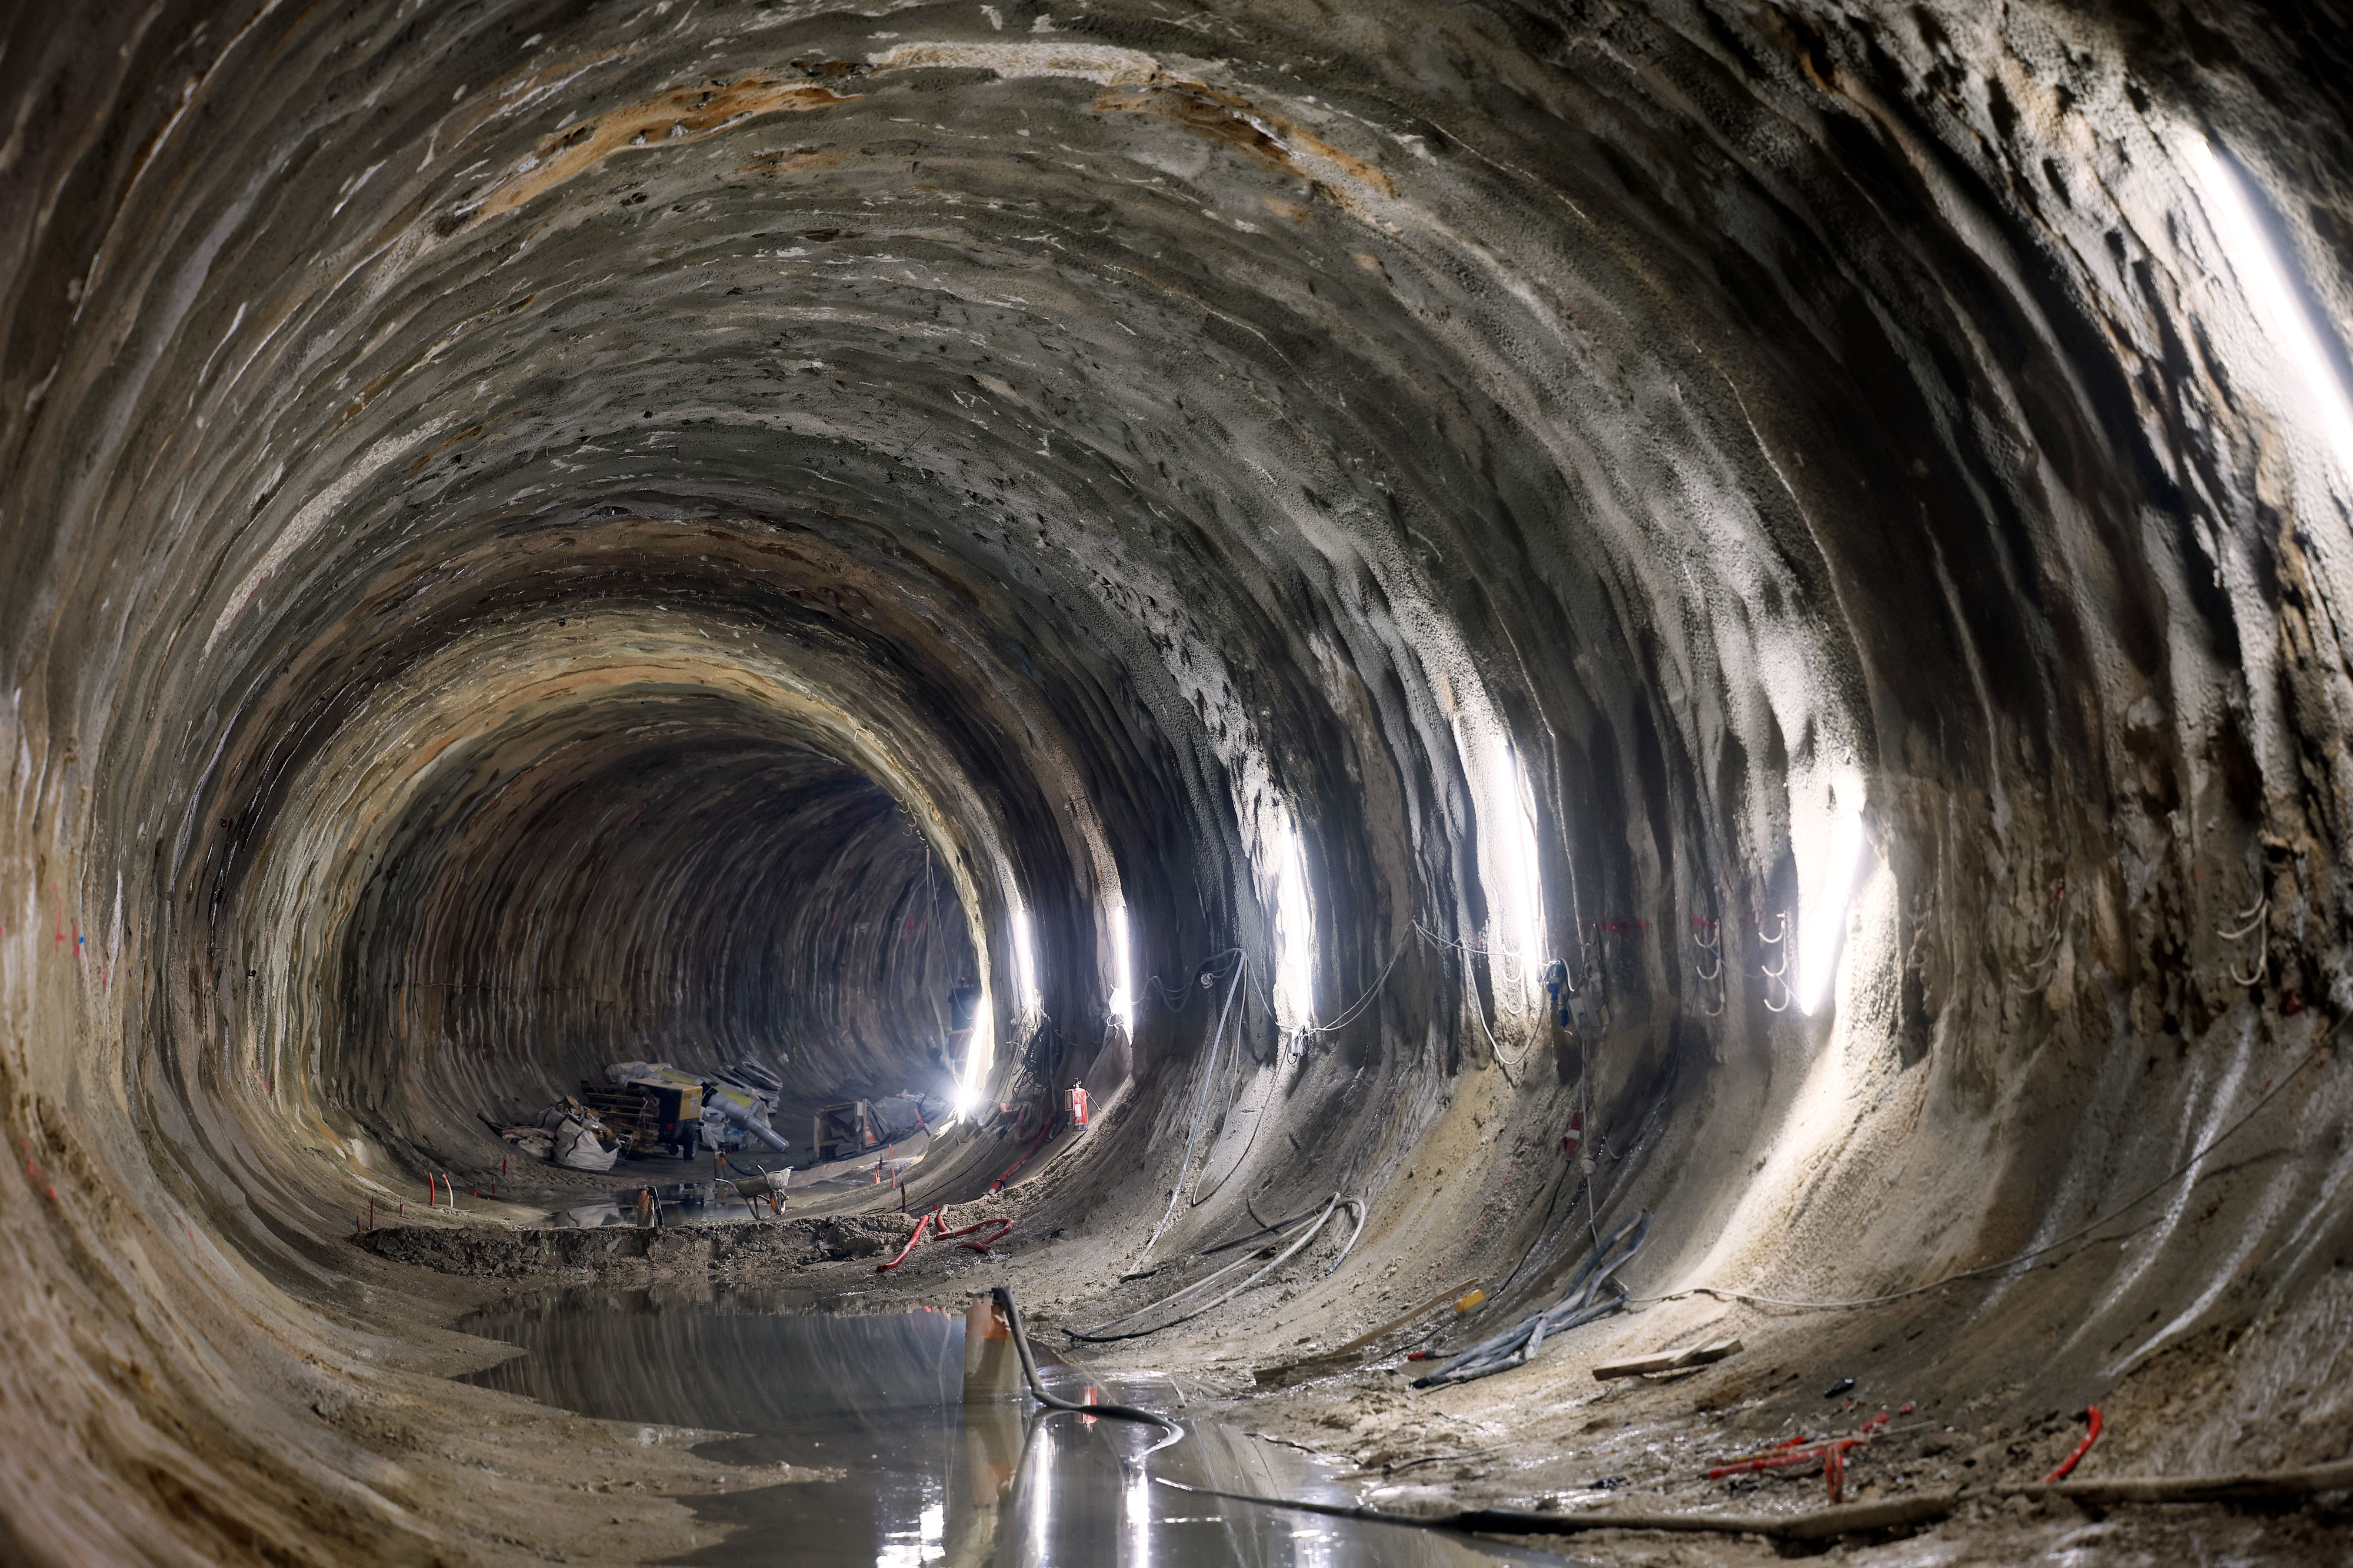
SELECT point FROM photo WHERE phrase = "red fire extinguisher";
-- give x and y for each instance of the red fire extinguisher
(1078, 1097)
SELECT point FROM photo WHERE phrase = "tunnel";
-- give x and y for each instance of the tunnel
(1703, 625)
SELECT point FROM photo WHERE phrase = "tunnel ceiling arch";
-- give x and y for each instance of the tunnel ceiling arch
(584, 506)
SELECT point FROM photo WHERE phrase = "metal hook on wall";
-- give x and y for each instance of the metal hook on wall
(2048, 963)
(2254, 921)
(1778, 938)
(1708, 937)
(2251, 917)
(1713, 949)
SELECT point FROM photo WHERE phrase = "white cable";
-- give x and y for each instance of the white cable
(1208, 1075)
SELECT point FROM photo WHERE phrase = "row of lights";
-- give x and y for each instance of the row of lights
(2280, 313)
(1513, 868)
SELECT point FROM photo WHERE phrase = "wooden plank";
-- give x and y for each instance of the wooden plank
(1673, 1361)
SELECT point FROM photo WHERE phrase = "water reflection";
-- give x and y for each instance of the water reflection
(913, 1476)
(668, 1204)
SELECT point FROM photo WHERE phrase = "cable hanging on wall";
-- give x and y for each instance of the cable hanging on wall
(1470, 992)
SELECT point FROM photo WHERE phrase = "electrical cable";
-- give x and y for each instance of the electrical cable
(1096, 1335)
(2028, 1256)
(1518, 1344)
(1225, 1122)
(1470, 989)
(1159, 988)
(1208, 1075)
(1265, 1229)
(1355, 1010)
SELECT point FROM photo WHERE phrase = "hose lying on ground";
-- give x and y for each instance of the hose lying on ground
(1096, 1335)
(2276, 1489)
(1820, 1524)
(1581, 1303)
(1004, 1298)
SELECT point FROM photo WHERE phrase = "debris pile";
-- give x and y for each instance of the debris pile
(644, 1109)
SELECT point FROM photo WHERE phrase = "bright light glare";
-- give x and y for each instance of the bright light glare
(1515, 848)
(1137, 1503)
(1040, 1501)
(1822, 924)
(978, 1051)
(2263, 277)
(1025, 962)
(1122, 999)
(1295, 931)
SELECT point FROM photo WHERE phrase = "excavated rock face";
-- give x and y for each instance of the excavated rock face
(535, 536)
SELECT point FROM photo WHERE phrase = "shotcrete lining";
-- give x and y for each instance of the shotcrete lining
(479, 551)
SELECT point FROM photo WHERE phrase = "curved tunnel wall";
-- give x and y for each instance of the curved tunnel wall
(483, 488)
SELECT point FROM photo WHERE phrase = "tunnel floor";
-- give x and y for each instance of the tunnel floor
(787, 1333)
(871, 1406)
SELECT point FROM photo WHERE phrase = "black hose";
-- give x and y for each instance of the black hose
(1263, 1229)
(1004, 1298)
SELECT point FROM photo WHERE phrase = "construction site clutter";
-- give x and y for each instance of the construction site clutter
(647, 1108)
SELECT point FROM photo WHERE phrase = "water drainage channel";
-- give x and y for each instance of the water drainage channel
(907, 1474)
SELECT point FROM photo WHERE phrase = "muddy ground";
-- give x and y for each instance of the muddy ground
(1546, 1437)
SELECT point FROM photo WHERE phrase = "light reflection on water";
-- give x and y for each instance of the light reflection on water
(923, 1477)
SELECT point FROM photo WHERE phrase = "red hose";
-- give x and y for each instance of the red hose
(1794, 1451)
(1003, 1228)
(2081, 1449)
(922, 1226)
(1042, 1133)
(1772, 1458)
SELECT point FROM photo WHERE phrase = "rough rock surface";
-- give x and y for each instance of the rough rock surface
(533, 535)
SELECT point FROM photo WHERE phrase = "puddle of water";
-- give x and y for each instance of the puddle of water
(923, 1477)
(695, 1202)
(681, 1203)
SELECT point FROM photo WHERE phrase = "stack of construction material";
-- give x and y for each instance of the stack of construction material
(630, 1111)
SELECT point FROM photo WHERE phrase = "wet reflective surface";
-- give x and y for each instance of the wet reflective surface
(914, 1476)
(698, 1200)
(676, 1203)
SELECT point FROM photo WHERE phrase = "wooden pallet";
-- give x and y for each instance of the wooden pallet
(630, 1112)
